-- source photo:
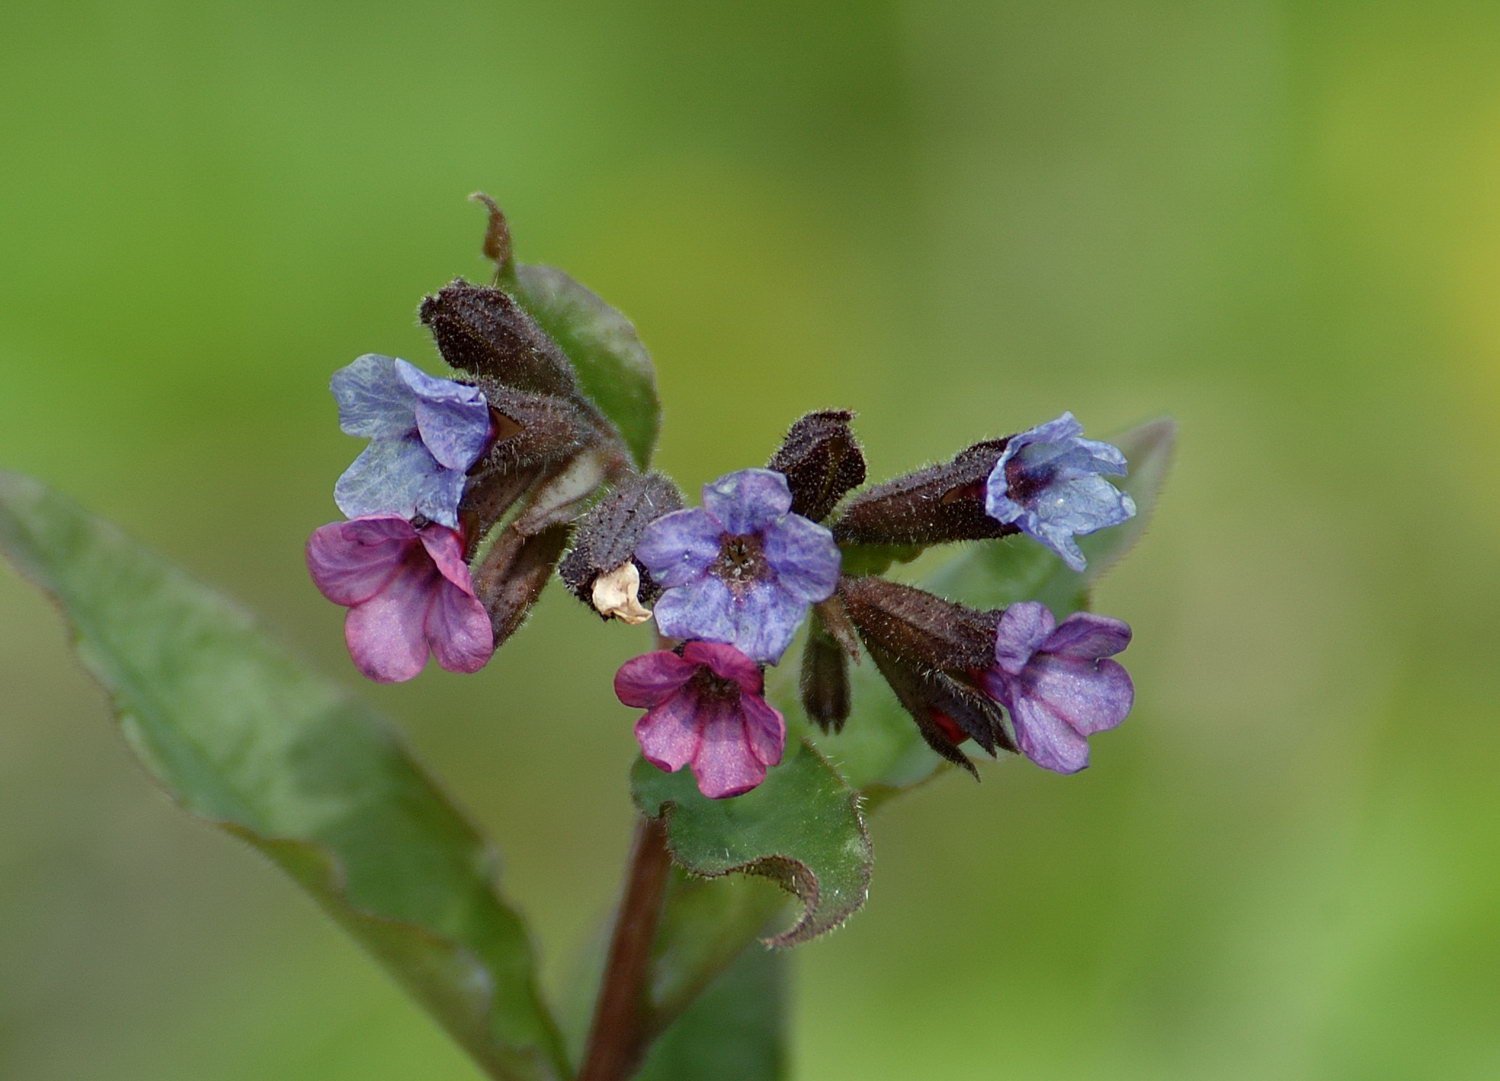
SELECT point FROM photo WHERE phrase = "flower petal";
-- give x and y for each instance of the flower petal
(749, 500)
(765, 728)
(766, 619)
(1023, 628)
(455, 433)
(432, 388)
(650, 679)
(373, 399)
(679, 547)
(725, 765)
(446, 547)
(385, 633)
(804, 557)
(351, 561)
(728, 663)
(670, 733)
(700, 609)
(1082, 504)
(458, 629)
(1088, 637)
(1091, 696)
(1058, 430)
(388, 478)
(1046, 738)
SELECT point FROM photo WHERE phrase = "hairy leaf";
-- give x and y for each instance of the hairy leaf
(613, 366)
(242, 736)
(735, 1032)
(802, 829)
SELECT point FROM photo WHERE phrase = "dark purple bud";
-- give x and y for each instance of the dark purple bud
(484, 331)
(534, 430)
(605, 542)
(825, 677)
(822, 462)
(946, 711)
(511, 575)
(917, 628)
(935, 505)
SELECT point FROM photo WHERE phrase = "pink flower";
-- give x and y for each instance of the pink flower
(408, 592)
(704, 708)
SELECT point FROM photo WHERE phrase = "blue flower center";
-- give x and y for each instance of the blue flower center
(741, 562)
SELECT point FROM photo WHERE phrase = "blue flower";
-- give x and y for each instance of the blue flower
(425, 433)
(1050, 484)
(1057, 682)
(742, 569)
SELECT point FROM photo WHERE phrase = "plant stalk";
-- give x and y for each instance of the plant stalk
(619, 1034)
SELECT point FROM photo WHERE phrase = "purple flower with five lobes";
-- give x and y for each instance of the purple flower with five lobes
(742, 569)
(1050, 484)
(1056, 683)
(425, 433)
(704, 709)
(408, 593)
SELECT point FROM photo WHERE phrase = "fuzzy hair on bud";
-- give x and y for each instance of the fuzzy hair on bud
(918, 628)
(928, 696)
(825, 679)
(607, 536)
(935, 505)
(822, 462)
(484, 331)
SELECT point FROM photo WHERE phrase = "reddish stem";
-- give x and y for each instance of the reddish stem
(618, 1037)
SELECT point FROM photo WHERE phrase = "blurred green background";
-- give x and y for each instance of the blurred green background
(1278, 222)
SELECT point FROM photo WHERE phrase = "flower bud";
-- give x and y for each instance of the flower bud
(822, 462)
(511, 575)
(825, 675)
(607, 536)
(918, 629)
(944, 708)
(534, 429)
(484, 331)
(931, 506)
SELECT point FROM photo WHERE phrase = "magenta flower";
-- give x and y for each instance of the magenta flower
(1055, 682)
(408, 593)
(704, 709)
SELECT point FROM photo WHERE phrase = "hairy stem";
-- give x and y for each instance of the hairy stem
(619, 1034)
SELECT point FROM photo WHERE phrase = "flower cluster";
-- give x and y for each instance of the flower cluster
(513, 452)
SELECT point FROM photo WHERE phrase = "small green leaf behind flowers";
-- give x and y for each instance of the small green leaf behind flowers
(613, 368)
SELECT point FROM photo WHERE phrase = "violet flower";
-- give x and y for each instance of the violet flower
(1055, 683)
(1050, 484)
(742, 569)
(704, 709)
(408, 592)
(425, 433)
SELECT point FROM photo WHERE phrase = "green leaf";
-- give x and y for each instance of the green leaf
(242, 736)
(879, 750)
(613, 366)
(802, 829)
(705, 925)
(735, 1032)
